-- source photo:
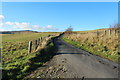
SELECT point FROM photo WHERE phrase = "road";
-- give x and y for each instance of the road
(80, 63)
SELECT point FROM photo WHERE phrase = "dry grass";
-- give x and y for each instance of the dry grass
(101, 44)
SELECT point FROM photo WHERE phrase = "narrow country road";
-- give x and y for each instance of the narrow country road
(80, 63)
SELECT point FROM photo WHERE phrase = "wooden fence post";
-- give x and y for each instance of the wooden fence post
(30, 47)
(97, 33)
(104, 32)
(109, 31)
(36, 44)
(115, 32)
(44, 38)
(41, 39)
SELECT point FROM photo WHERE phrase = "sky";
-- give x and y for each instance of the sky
(57, 16)
(60, 0)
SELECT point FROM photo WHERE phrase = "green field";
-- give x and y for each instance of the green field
(16, 61)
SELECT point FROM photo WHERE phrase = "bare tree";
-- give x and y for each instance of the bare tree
(69, 30)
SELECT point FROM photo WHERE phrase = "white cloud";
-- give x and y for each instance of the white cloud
(37, 27)
(5, 29)
(1, 24)
(2, 29)
(18, 25)
(50, 27)
(25, 25)
(1, 17)
(9, 23)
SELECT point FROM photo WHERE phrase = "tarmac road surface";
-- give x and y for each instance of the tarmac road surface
(83, 64)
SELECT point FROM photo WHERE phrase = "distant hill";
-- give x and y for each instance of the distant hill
(17, 32)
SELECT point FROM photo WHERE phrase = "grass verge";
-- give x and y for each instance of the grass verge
(96, 49)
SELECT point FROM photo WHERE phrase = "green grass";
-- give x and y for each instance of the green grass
(17, 63)
(22, 66)
(23, 37)
(96, 49)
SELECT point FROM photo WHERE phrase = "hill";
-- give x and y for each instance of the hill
(17, 32)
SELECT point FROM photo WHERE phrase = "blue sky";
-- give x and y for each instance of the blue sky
(60, 0)
(57, 16)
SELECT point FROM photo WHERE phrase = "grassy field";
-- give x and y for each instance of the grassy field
(106, 46)
(16, 61)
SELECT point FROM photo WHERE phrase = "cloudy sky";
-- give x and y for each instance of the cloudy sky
(57, 16)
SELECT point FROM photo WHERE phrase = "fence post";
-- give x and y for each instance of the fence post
(41, 39)
(38, 42)
(109, 31)
(115, 32)
(35, 44)
(97, 33)
(30, 47)
(104, 32)
(44, 38)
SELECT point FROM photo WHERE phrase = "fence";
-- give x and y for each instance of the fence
(94, 35)
(37, 44)
(107, 32)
